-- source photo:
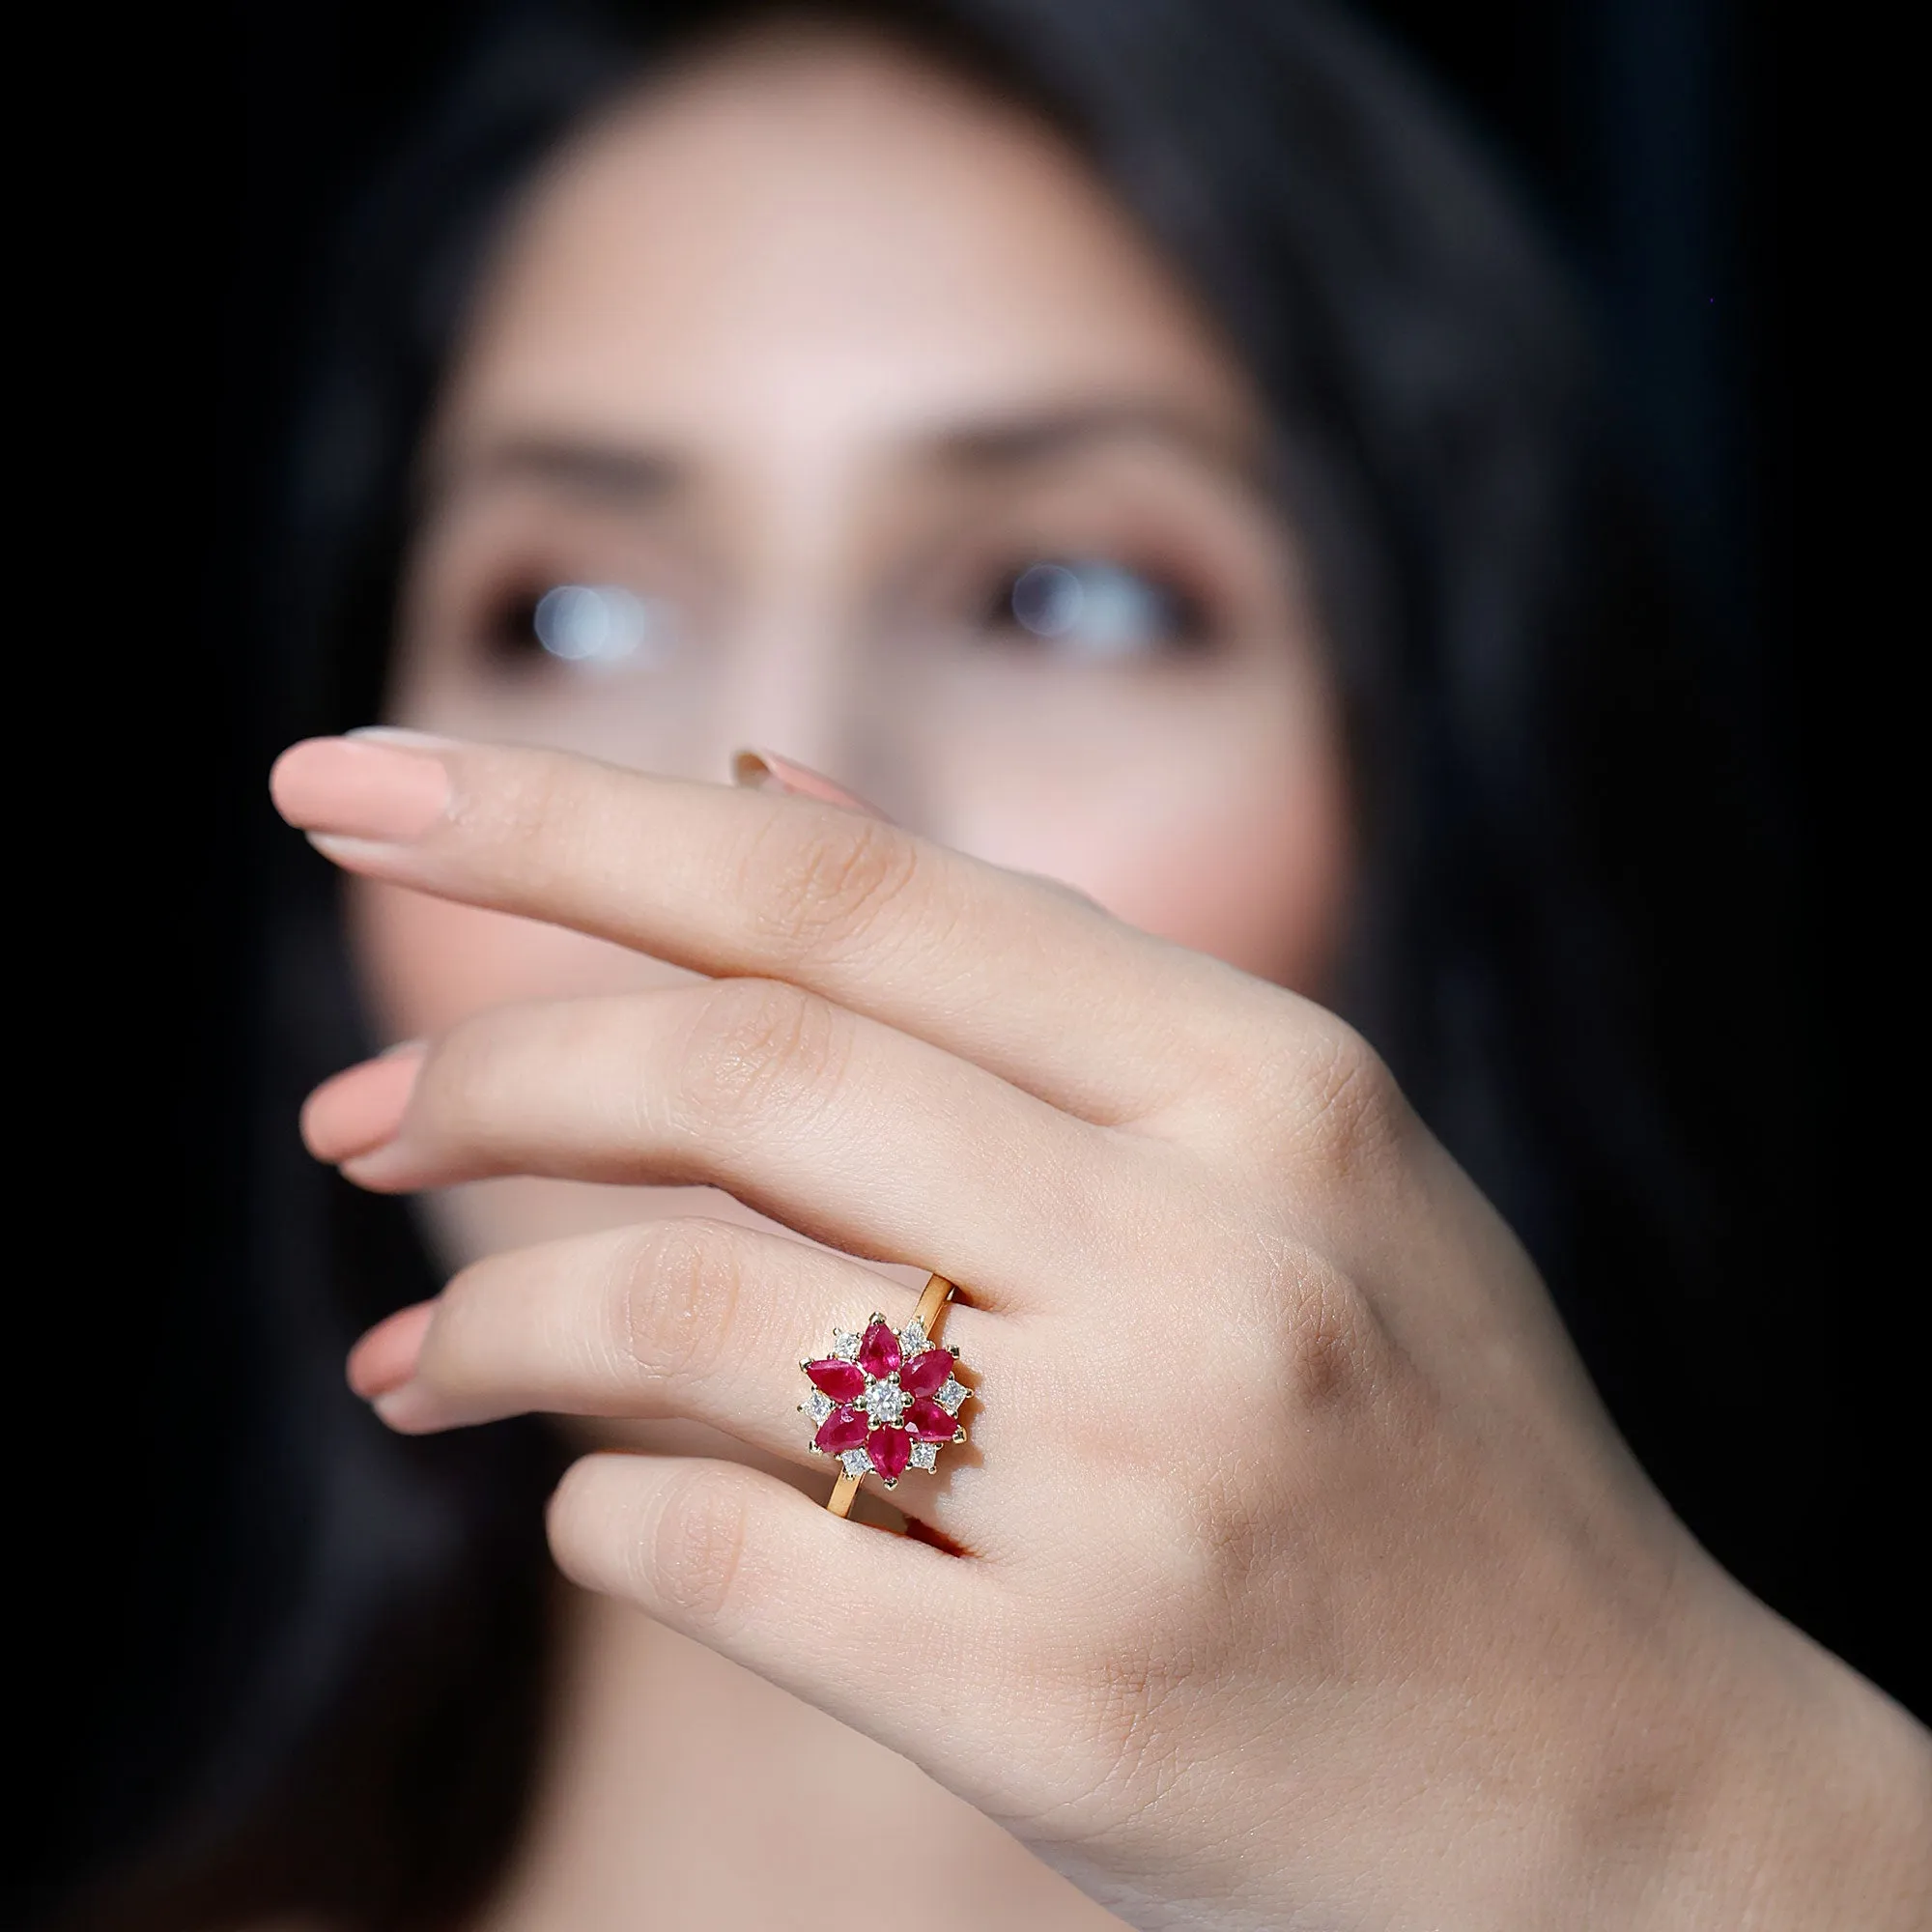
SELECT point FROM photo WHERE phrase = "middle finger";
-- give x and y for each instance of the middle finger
(853, 1134)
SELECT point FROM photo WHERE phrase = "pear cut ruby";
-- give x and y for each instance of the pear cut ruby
(840, 1379)
(842, 1429)
(927, 1373)
(891, 1450)
(929, 1421)
(879, 1351)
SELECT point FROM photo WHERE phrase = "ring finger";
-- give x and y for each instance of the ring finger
(692, 1318)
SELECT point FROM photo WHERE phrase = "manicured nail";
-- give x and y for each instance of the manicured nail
(360, 788)
(358, 1110)
(398, 734)
(766, 771)
(385, 1357)
(410, 1410)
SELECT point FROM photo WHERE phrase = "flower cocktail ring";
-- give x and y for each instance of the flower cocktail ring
(884, 1402)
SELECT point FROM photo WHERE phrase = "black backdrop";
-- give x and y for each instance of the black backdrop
(1695, 159)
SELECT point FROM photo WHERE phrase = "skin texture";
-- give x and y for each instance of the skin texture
(1291, 1574)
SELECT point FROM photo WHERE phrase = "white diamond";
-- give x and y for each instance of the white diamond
(925, 1455)
(818, 1404)
(845, 1345)
(856, 1461)
(884, 1401)
(912, 1337)
(951, 1395)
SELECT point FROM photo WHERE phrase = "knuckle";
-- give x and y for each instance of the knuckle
(694, 1556)
(676, 1303)
(824, 887)
(758, 1045)
(1318, 1347)
(1329, 1346)
(1337, 1109)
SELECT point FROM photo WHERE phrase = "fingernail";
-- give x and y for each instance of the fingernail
(766, 771)
(410, 1410)
(397, 734)
(360, 788)
(386, 1356)
(358, 1110)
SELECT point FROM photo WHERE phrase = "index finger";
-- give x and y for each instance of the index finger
(1007, 970)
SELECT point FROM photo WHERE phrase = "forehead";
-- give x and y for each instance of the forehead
(825, 241)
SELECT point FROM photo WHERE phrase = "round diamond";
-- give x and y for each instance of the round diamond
(952, 1395)
(925, 1455)
(845, 1344)
(884, 1401)
(857, 1462)
(818, 1404)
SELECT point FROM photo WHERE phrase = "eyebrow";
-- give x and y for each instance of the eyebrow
(627, 475)
(1021, 441)
(624, 475)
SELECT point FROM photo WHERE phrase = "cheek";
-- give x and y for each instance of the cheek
(1234, 838)
(1257, 876)
(426, 964)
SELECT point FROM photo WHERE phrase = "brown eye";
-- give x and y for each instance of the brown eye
(1093, 609)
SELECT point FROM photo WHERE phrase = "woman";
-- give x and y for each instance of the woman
(1136, 455)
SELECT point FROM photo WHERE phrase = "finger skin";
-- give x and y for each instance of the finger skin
(879, 1630)
(1332, 1599)
(1022, 977)
(869, 1140)
(691, 1318)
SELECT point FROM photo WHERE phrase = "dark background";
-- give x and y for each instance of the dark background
(1691, 158)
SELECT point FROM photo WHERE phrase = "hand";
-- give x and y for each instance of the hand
(1292, 1574)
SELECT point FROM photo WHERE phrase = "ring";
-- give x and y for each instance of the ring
(883, 1402)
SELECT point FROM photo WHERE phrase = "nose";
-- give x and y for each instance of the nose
(811, 685)
(790, 692)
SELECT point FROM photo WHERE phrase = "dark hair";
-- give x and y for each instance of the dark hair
(1559, 889)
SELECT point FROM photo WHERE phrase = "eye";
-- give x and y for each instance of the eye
(1096, 610)
(591, 624)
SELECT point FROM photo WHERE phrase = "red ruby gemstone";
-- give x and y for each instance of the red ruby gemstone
(929, 1421)
(842, 1429)
(879, 1351)
(891, 1450)
(840, 1379)
(927, 1373)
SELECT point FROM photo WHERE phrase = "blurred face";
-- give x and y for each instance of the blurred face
(820, 404)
